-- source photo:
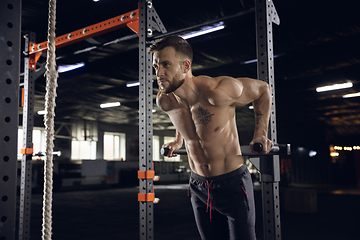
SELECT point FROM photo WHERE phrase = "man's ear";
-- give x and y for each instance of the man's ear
(186, 66)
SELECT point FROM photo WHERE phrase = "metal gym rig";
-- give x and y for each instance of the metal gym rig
(145, 22)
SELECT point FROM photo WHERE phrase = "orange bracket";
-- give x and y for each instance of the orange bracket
(146, 197)
(146, 174)
(130, 19)
(22, 97)
(33, 58)
(27, 151)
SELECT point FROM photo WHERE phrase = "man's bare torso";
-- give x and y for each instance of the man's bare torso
(207, 123)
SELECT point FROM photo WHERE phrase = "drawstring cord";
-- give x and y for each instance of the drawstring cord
(244, 190)
(209, 200)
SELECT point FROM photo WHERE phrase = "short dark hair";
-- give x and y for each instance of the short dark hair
(180, 45)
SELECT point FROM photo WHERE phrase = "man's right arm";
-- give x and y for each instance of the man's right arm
(164, 103)
(174, 145)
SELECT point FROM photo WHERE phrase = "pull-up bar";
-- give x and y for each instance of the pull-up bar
(130, 20)
(277, 149)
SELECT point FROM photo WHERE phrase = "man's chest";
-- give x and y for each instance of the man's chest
(202, 115)
(199, 120)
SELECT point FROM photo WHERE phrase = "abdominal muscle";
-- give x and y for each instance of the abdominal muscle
(213, 158)
(213, 146)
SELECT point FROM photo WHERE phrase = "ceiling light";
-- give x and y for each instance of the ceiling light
(334, 154)
(204, 30)
(107, 105)
(312, 153)
(66, 68)
(334, 87)
(251, 107)
(132, 84)
(154, 110)
(350, 95)
(41, 112)
(255, 60)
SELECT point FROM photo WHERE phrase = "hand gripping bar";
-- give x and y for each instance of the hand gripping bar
(277, 149)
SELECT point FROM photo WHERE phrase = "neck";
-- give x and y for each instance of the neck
(187, 89)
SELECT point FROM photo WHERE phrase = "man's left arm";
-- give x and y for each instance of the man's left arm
(262, 109)
(242, 91)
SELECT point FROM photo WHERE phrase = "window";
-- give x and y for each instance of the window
(114, 146)
(166, 140)
(38, 139)
(83, 150)
(156, 148)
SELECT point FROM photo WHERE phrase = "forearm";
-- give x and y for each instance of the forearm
(262, 108)
(178, 139)
(174, 145)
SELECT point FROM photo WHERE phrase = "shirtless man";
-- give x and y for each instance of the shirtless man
(202, 110)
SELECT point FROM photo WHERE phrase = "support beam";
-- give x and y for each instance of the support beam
(145, 126)
(269, 166)
(149, 22)
(130, 20)
(10, 25)
(27, 148)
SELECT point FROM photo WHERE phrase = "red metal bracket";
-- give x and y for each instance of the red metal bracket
(130, 19)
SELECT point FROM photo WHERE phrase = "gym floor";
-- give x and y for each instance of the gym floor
(113, 214)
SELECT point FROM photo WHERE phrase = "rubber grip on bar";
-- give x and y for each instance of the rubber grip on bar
(258, 147)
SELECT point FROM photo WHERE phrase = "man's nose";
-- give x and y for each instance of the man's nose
(159, 72)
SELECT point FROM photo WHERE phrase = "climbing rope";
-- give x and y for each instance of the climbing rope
(51, 84)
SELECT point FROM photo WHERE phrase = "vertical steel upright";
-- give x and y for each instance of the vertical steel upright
(145, 123)
(269, 166)
(27, 149)
(149, 22)
(10, 25)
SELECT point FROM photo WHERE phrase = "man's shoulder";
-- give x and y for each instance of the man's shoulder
(166, 101)
(212, 83)
(208, 82)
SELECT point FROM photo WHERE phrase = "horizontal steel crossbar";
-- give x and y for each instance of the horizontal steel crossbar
(130, 19)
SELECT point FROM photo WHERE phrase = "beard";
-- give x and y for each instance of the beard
(175, 84)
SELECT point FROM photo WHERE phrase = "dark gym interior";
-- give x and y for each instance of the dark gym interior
(95, 191)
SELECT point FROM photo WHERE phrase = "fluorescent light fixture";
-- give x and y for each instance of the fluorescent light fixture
(334, 87)
(334, 154)
(66, 68)
(154, 110)
(107, 105)
(350, 95)
(204, 30)
(132, 84)
(312, 153)
(41, 112)
(249, 61)
(255, 60)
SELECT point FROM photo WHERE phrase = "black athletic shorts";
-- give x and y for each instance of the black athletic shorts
(224, 205)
